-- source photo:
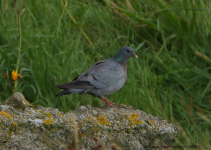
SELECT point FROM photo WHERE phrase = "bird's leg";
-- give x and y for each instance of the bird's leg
(107, 102)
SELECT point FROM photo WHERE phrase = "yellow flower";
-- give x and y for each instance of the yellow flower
(15, 75)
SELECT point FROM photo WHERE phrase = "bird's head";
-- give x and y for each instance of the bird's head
(125, 53)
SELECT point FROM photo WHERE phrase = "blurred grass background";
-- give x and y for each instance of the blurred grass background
(170, 79)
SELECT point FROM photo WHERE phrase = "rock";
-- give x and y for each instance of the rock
(17, 100)
(85, 128)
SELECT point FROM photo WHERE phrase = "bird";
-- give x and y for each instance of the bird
(101, 79)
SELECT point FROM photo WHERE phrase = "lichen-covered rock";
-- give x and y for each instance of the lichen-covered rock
(17, 100)
(121, 127)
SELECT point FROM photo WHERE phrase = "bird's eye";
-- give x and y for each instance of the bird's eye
(128, 51)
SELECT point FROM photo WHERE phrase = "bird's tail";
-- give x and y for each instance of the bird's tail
(70, 91)
(66, 91)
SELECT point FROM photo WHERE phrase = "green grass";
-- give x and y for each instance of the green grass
(170, 79)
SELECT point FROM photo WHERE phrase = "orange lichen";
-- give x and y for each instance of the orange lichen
(103, 121)
(6, 115)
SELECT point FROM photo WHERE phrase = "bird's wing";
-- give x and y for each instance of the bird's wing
(100, 75)
(103, 74)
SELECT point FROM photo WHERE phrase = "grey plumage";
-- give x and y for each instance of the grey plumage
(103, 78)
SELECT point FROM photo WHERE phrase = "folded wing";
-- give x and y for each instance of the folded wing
(100, 75)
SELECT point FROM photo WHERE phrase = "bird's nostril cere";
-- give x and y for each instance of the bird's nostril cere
(135, 55)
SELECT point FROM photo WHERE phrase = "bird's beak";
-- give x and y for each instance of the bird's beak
(134, 55)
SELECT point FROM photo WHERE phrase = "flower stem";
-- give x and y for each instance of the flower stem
(20, 41)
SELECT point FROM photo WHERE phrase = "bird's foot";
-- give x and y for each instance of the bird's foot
(107, 102)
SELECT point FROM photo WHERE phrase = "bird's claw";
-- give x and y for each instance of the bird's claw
(107, 102)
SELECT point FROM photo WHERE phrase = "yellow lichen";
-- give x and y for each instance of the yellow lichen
(12, 129)
(15, 123)
(134, 119)
(82, 135)
(149, 122)
(49, 115)
(96, 129)
(19, 129)
(38, 111)
(91, 117)
(6, 115)
(108, 123)
(60, 114)
(103, 121)
(152, 123)
(10, 133)
(48, 121)
(134, 116)
(85, 120)
(31, 112)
